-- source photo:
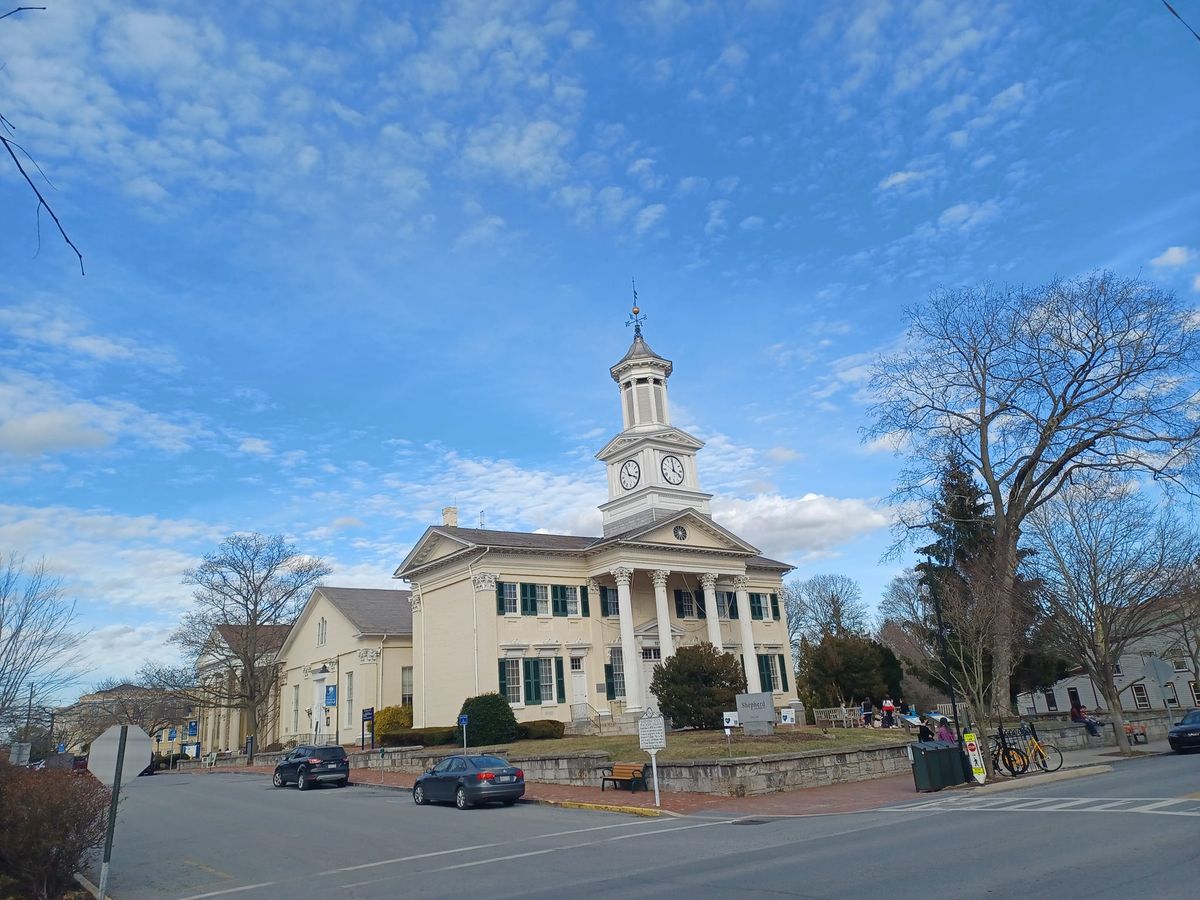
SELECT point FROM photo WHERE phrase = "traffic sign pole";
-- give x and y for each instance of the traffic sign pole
(654, 769)
(112, 813)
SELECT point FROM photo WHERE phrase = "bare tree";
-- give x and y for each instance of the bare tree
(247, 594)
(905, 619)
(117, 702)
(825, 605)
(1111, 564)
(16, 152)
(39, 641)
(1032, 389)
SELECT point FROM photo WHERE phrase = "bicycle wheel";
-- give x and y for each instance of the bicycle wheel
(1047, 757)
(1014, 761)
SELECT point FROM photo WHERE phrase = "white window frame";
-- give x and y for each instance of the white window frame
(652, 654)
(687, 600)
(322, 631)
(1178, 662)
(572, 600)
(295, 709)
(1141, 697)
(542, 593)
(1051, 700)
(406, 685)
(1117, 673)
(546, 666)
(617, 660)
(512, 664)
(723, 604)
(348, 704)
(576, 663)
(773, 670)
(511, 600)
(1194, 686)
(1170, 695)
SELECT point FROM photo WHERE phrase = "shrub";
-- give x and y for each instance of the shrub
(52, 818)
(697, 684)
(490, 719)
(540, 730)
(393, 718)
(424, 737)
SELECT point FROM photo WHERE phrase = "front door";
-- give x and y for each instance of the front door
(651, 659)
(579, 691)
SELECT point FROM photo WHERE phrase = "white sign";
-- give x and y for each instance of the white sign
(102, 758)
(18, 754)
(731, 720)
(971, 743)
(652, 733)
(787, 716)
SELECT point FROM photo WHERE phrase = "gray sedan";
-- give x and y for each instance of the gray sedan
(468, 780)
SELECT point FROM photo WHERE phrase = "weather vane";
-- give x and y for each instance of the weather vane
(635, 317)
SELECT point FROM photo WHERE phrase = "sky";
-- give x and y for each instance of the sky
(348, 263)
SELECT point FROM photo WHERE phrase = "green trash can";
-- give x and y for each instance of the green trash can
(946, 765)
(922, 754)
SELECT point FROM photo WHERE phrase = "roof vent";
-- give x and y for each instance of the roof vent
(450, 516)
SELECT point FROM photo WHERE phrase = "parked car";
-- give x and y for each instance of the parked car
(308, 765)
(468, 780)
(1185, 735)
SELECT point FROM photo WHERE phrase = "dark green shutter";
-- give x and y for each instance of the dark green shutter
(783, 682)
(558, 599)
(764, 672)
(609, 691)
(503, 679)
(533, 681)
(603, 601)
(756, 608)
(500, 598)
(679, 604)
(775, 607)
(528, 600)
(560, 688)
(583, 601)
(731, 597)
(701, 610)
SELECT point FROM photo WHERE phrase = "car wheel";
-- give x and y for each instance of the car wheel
(277, 779)
(509, 802)
(343, 782)
(460, 798)
(302, 780)
(419, 795)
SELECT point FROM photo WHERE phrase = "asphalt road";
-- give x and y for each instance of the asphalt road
(1133, 832)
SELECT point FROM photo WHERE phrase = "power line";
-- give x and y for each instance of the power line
(1180, 18)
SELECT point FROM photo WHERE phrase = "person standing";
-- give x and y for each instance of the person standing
(945, 732)
(889, 711)
(867, 712)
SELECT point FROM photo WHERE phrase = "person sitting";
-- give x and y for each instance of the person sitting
(1079, 715)
(924, 733)
(867, 712)
(945, 732)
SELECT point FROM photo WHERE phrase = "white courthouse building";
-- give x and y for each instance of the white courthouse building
(571, 627)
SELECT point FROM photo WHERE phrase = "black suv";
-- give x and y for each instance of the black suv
(308, 765)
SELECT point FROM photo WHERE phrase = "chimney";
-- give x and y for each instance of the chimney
(450, 516)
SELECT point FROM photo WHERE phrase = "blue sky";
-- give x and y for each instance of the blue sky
(347, 264)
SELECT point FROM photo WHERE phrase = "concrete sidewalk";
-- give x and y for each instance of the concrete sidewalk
(837, 798)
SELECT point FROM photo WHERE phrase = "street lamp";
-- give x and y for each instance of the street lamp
(941, 632)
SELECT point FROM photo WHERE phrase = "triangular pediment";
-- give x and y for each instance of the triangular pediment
(432, 546)
(649, 628)
(698, 532)
(666, 438)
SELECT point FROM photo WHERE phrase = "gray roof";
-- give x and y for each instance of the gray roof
(371, 610)
(639, 349)
(518, 540)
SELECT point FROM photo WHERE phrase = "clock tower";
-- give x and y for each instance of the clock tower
(651, 465)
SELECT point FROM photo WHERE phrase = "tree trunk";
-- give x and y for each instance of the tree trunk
(1002, 642)
(1113, 698)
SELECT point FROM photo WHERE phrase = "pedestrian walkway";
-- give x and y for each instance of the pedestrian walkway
(835, 798)
(1155, 806)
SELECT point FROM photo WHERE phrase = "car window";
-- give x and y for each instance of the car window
(458, 764)
(443, 765)
(330, 753)
(489, 762)
(1192, 718)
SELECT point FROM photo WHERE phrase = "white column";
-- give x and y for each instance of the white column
(631, 660)
(708, 582)
(749, 658)
(662, 611)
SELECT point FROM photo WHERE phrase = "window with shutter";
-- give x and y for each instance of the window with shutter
(506, 598)
(783, 679)
(756, 606)
(584, 608)
(701, 611)
(528, 599)
(733, 605)
(775, 607)
(542, 592)
(764, 672)
(533, 682)
(560, 689)
(558, 599)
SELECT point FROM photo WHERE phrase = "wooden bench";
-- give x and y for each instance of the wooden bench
(210, 759)
(631, 774)
(1137, 734)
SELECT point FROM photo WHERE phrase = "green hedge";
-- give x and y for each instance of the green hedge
(540, 730)
(424, 737)
(491, 719)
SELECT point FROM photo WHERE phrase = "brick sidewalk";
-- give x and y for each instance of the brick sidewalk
(837, 798)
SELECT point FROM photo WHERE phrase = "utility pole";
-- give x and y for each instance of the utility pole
(28, 712)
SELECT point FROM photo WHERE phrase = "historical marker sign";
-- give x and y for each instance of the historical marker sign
(652, 733)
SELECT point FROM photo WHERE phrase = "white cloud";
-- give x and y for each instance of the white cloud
(797, 529)
(485, 231)
(66, 330)
(255, 447)
(899, 179)
(783, 454)
(966, 216)
(1173, 257)
(751, 223)
(716, 223)
(530, 153)
(648, 217)
(1196, 283)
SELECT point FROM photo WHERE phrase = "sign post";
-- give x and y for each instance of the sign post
(971, 743)
(731, 722)
(106, 760)
(652, 737)
(368, 717)
(462, 721)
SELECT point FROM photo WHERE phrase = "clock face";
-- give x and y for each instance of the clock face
(680, 533)
(672, 469)
(631, 474)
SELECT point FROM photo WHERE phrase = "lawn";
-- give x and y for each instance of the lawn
(687, 745)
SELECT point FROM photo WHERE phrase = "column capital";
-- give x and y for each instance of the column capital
(660, 576)
(708, 581)
(414, 597)
(593, 586)
(623, 574)
(484, 581)
(741, 583)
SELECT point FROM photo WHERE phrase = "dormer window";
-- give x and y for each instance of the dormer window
(321, 631)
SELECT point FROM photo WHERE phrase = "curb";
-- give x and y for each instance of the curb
(644, 811)
(1049, 778)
